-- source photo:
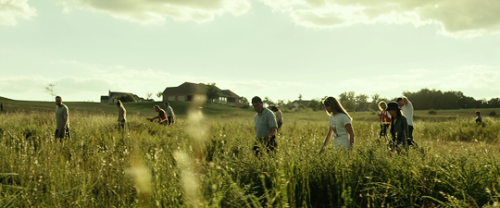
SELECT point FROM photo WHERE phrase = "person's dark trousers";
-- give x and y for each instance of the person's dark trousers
(270, 146)
(410, 132)
(68, 135)
(170, 120)
(279, 125)
(383, 130)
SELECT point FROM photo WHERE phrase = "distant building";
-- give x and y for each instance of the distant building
(297, 103)
(187, 90)
(113, 97)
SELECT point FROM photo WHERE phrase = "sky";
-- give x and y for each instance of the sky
(268, 48)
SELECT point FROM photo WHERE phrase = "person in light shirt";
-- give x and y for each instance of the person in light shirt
(407, 108)
(170, 113)
(340, 125)
(122, 114)
(265, 127)
(62, 120)
(279, 116)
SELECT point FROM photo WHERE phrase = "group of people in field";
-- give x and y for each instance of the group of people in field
(62, 117)
(398, 115)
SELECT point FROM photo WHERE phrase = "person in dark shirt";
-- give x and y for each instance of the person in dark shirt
(399, 126)
(479, 119)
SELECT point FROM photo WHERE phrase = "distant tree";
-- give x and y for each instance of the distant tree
(347, 99)
(494, 103)
(268, 101)
(289, 105)
(361, 102)
(244, 102)
(213, 92)
(375, 100)
(127, 98)
(281, 103)
(50, 89)
(315, 104)
(149, 95)
(159, 94)
(300, 97)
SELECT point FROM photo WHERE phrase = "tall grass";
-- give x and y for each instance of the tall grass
(457, 165)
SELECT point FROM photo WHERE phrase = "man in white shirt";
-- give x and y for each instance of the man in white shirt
(170, 113)
(407, 109)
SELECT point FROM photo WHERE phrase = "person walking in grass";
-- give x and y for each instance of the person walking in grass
(170, 114)
(265, 127)
(407, 108)
(385, 120)
(162, 116)
(479, 119)
(62, 120)
(279, 116)
(399, 127)
(122, 114)
(340, 125)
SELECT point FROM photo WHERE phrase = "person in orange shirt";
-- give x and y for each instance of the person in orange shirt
(385, 119)
(162, 116)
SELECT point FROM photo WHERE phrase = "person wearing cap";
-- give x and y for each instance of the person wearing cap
(162, 116)
(399, 125)
(340, 125)
(265, 127)
(385, 120)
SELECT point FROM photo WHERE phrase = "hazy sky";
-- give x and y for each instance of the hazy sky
(275, 48)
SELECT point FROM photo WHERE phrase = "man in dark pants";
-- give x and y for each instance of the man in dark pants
(407, 108)
(265, 127)
(62, 120)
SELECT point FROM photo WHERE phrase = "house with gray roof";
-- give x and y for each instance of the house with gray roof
(113, 97)
(187, 91)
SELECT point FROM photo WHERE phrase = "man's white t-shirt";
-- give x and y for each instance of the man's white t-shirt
(341, 138)
(408, 112)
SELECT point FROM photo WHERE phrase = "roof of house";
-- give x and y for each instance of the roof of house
(303, 102)
(104, 97)
(228, 93)
(189, 88)
(186, 88)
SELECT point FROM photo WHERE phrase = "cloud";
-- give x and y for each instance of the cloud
(158, 11)
(466, 18)
(12, 10)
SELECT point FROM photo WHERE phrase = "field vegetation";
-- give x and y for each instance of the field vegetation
(205, 160)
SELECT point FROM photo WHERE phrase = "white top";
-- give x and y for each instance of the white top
(170, 111)
(338, 122)
(408, 112)
(279, 116)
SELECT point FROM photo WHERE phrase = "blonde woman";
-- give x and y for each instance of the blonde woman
(122, 114)
(385, 119)
(340, 125)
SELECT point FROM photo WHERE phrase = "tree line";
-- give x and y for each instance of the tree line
(425, 99)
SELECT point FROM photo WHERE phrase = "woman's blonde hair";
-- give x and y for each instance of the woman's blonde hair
(380, 107)
(336, 106)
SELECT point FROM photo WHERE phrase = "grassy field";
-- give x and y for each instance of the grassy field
(205, 160)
